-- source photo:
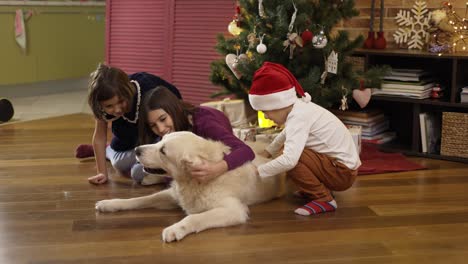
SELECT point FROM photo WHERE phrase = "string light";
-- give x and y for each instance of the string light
(459, 26)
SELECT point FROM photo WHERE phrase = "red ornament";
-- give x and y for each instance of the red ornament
(307, 36)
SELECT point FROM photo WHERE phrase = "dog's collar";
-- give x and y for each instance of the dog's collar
(137, 107)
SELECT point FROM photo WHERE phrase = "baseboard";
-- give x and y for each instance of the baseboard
(43, 88)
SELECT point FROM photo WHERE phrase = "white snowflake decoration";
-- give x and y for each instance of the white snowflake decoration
(413, 27)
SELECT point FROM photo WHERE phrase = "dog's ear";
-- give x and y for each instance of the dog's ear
(190, 160)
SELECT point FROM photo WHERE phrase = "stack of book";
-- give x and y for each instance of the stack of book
(464, 95)
(373, 122)
(413, 83)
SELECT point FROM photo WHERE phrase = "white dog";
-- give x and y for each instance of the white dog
(217, 203)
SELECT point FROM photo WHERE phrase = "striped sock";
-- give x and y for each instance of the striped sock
(316, 207)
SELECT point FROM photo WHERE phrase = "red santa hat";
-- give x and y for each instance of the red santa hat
(274, 87)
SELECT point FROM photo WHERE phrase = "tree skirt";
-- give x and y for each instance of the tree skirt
(376, 162)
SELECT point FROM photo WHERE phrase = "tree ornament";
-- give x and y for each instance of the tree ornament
(249, 54)
(332, 62)
(234, 26)
(261, 9)
(233, 61)
(261, 48)
(344, 103)
(324, 75)
(320, 41)
(414, 28)
(291, 42)
(234, 29)
(307, 36)
(291, 37)
(293, 18)
(344, 99)
(362, 95)
(252, 39)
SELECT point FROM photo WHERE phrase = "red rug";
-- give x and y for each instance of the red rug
(376, 162)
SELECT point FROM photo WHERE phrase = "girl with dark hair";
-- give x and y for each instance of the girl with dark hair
(115, 97)
(162, 113)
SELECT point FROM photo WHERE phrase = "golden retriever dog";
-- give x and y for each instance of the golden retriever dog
(218, 203)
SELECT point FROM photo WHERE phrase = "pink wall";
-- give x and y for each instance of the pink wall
(169, 38)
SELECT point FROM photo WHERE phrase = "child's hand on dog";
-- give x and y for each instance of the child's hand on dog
(98, 179)
(207, 171)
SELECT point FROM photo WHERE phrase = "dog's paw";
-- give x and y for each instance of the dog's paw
(175, 232)
(112, 205)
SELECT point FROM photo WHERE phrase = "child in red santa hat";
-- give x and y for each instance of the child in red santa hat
(318, 154)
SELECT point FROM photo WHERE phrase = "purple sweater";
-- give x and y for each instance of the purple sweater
(213, 124)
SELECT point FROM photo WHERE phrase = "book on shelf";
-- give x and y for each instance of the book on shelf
(362, 120)
(412, 94)
(379, 138)
(357, 113)
(376, 129)
(423, 85)
(406, 91)
(361, 117)
(407, 72)
(422, 128)
(365, 125)
(411, 75)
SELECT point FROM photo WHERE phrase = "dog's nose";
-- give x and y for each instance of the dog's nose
(137, 151)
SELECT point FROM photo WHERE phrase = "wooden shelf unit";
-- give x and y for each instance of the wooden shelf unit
(452, 72)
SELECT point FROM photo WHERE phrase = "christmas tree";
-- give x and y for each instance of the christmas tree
(298, 34)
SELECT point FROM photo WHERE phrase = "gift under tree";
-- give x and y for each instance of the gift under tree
(299, 35)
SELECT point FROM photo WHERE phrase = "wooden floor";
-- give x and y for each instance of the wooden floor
(47, 214)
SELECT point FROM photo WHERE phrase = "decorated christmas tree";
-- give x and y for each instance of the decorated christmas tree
(298, 34)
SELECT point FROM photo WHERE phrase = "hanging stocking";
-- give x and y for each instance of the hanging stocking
(20, 30)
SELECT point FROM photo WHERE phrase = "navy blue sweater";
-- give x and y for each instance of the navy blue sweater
(125, 134)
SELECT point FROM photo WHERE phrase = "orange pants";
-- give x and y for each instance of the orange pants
(316, 175)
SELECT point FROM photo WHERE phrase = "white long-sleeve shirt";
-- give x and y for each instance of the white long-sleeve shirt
(308, 125)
